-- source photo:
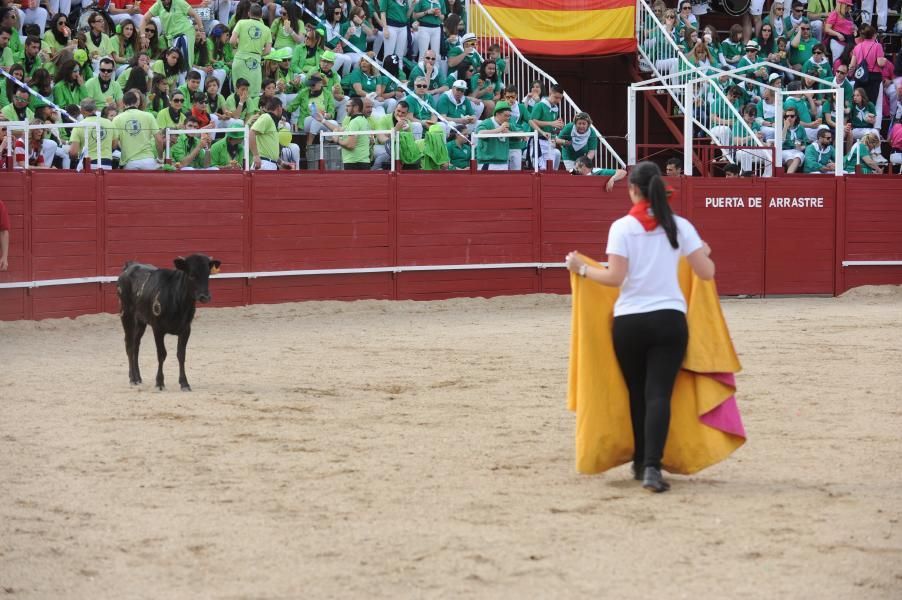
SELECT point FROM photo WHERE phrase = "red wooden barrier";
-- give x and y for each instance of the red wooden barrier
(786, 235)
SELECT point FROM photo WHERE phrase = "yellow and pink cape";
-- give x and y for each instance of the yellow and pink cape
(705, 426)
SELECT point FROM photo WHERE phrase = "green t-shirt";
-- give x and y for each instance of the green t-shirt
(459, 155)
(396, 11)
(418, 106)
(432, 20)
(358, 38)
(473, 58)
(251, 105)
(801, 107)
(816, 159)
(65, 94)
(543, 111)
(492, 150)
(448, 108)
(165, 120)
(267, 137)
(93, 90)
(253, 36)
(434, 83)
(496, 87)
(104, 48)
(220, 157)
(107, 134)
(800, 55)
(175, 20)
(361, 152)
(858, 114)
(853, 158)
(281, 38)
(183, 146)
(604, 172)
(367, 82)
(136, 131)
(570, 151)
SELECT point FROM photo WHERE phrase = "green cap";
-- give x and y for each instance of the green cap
(501, 106)
(279, 55)
(80, 56)
(321, 31)
(328, 56)
(436, 128)
(237, 134)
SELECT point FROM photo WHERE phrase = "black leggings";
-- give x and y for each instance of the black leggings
(650, 348)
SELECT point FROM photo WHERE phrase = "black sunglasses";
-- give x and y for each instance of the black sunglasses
(106, 70)
(420, 85)
(177, 100)
(430, 58)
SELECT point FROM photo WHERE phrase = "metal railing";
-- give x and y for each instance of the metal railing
(392, 134)
(520, 72)
(27, 128)
(476, 136)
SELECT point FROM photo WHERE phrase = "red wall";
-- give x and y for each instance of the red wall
(88, 224)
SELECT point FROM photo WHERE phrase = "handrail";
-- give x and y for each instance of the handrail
(26, 127)
(476, 136)
(522, 72)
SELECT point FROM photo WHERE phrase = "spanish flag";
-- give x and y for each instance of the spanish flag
(567, 27)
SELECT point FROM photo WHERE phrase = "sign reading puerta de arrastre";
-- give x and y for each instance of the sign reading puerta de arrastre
(758, 202)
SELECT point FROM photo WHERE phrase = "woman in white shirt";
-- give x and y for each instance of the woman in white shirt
(650, 332)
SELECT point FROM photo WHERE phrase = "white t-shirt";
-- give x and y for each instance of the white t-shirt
(651, 279)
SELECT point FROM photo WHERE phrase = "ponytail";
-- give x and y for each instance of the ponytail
(647, 177)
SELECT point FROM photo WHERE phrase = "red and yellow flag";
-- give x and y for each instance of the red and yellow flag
(567, 27)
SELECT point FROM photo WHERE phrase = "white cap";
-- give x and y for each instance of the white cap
(460, 84)
(467, 37)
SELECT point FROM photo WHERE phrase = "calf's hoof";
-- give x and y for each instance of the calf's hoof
(186, 387)
(161, 387)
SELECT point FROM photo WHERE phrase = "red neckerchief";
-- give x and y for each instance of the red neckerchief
(643, 213)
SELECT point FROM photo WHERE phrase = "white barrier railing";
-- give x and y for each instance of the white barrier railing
(391, 133)
(26, 128)
(225, 130)
(522, 73)
(476, 136)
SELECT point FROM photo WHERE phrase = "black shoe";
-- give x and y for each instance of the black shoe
(653, 481)
(637, 471)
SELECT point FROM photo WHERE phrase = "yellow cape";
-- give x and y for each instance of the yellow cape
(703, 391)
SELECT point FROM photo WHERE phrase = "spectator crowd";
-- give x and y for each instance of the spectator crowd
(838, 41)
(274, 75)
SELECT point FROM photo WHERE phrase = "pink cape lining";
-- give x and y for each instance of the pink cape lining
(725, 416)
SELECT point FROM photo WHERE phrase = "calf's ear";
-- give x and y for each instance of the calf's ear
(214, 266)
(180, 263)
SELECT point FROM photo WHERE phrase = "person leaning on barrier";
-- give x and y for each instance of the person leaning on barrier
(578, 139)
(493, 154)
(228, 152)
(546, 119)
(519, 122)
(459, 151)
(355, 149)
(408, 153)
(79, 148)
(673, 167)
(820, 157)
(582, 166)
(140, 138)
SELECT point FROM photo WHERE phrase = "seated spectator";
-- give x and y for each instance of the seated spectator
(747, 133)
(801, 44)
(795, 140)
(392, 93)
(486, 88)
(459, 151)
(190, 151)
(861, 155)
(171, 66)
(172, 117)
(199, 110)
(420, 101)
(731, 170)
(406, 150)
(84, 143)
(805, 107)
(820, 156)
(863, 115)
(228, 152)
(732, 48)
(18, 110)
(102, 87)
(536, 93)
(546, 119)
(366, 81)
(466, 53)
(767, 44)
(214, 102)
(69, 84)
(776, 19)
(582, 166)
(428, 69)
(767, 112)
(241, 105)
(685, 18)
(316, 108)
(455, 107)
(818, 65)
(722, 118)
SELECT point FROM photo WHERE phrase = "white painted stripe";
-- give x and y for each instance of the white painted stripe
(872, 263)
(296, 273)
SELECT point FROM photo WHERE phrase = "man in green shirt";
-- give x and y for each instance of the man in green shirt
(228, 153)
(90, 149)
(492, 154)
(264, 137)
(18, 110)
(355, 149)
(7, 58)
(466, 52)
(32, 57)
(241, 105)
(140, 139)
(251, 40)
(820, 157)
(455, 106)
(102, 88)
(546, 119)
(583, 166)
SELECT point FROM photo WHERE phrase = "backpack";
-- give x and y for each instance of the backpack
(862, 74)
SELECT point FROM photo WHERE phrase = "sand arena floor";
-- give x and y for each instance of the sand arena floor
(409, 450)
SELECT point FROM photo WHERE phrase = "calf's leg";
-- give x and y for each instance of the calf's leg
(137, 333)
(128, 326)
(161, 356)
(180, 352)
